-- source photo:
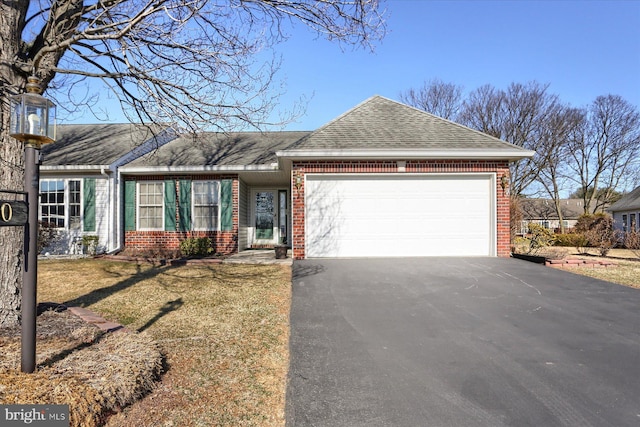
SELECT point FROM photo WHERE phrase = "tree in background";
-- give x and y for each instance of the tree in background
(436, 97)
(596, 147)
(194, 64)
(602, 197)
(517, 115)
(551, 160)
(605, 151)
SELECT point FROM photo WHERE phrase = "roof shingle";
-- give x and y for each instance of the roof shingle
(380, 123)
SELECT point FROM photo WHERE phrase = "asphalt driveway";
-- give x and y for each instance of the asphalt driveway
(460, 342)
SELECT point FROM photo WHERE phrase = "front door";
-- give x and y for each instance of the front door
(270, 217)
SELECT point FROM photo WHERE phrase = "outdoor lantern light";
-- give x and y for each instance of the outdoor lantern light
(33, 117)
(504, 182)
(33, 121)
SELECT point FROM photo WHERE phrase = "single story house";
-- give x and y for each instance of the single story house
(626, 211)
(543, 212)
(382, 179)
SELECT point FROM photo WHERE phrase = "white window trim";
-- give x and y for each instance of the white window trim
(138, 227)
(66, 200)
(193, 205)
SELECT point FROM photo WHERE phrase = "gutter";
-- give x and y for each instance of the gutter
(76, 168)
(145, 170)
(466, 154)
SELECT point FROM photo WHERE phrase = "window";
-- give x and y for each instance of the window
(150, 205)
(205, 205)
(632, 222)
(74, 204)
(624, 223)
(60, 203)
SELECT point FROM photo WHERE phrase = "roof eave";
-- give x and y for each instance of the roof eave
(148, 170)
(76, 168)
(510, 155)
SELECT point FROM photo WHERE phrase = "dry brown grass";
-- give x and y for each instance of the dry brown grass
(223, 330)
(626, 272)
(94, 373)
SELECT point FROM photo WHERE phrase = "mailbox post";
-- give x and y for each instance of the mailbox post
(32, 122)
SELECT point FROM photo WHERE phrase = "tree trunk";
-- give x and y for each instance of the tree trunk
(11, 162)
(12, 237)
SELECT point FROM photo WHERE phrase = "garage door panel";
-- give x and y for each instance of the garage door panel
(351, 216)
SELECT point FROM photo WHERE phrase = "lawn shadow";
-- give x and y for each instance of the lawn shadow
(99, 294)
(167, 308)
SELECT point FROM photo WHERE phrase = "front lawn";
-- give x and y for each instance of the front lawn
(222, 328)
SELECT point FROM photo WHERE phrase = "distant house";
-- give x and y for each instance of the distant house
(382, 179)
(544, 213)
(626, 211)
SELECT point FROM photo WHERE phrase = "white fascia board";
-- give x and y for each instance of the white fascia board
(467, 154)
(76, 168)
(145, 170)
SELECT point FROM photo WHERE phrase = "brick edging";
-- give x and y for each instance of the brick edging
(578, 262)
(92, 318)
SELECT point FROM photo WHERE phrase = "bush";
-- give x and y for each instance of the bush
(632, 242)
(575, 240)
(90, 243)
(196, 246)
(47, 234)
(598, 230)
(538, 239)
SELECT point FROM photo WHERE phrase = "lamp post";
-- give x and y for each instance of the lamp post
(33, 121)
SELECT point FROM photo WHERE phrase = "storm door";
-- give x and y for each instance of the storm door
(270, 217)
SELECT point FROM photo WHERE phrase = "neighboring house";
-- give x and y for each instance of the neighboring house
(626, 211)
(544, 213)
(383, 179)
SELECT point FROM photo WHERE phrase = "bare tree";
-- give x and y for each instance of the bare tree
(605, 150)
(195, 64)
(553, 155)
(516, 115)
(435, 97)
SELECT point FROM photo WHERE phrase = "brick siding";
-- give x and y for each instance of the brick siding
(223, 242)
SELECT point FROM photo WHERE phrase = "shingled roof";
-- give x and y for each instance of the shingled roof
(96, 144)
(629, 201)
(380, 123)
(220, 149)
(546, 209)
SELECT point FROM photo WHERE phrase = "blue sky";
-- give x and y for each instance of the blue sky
(583, 49)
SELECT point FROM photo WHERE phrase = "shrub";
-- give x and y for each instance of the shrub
(47, 235)
(576, 240)
(539, 238)
(196, 246)
(90, 243)
(598, 230)
(521, 245)
(632, 242)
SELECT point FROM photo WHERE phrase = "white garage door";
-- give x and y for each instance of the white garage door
(409, 215)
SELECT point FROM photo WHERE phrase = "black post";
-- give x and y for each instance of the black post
(30, 274)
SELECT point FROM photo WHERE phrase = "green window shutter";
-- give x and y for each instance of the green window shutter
(169, 205)
(226, 205)
(89, 205)
(129, 205)
(185, 205)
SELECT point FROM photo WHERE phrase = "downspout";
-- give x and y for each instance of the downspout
(111, 209)
(106, 175)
